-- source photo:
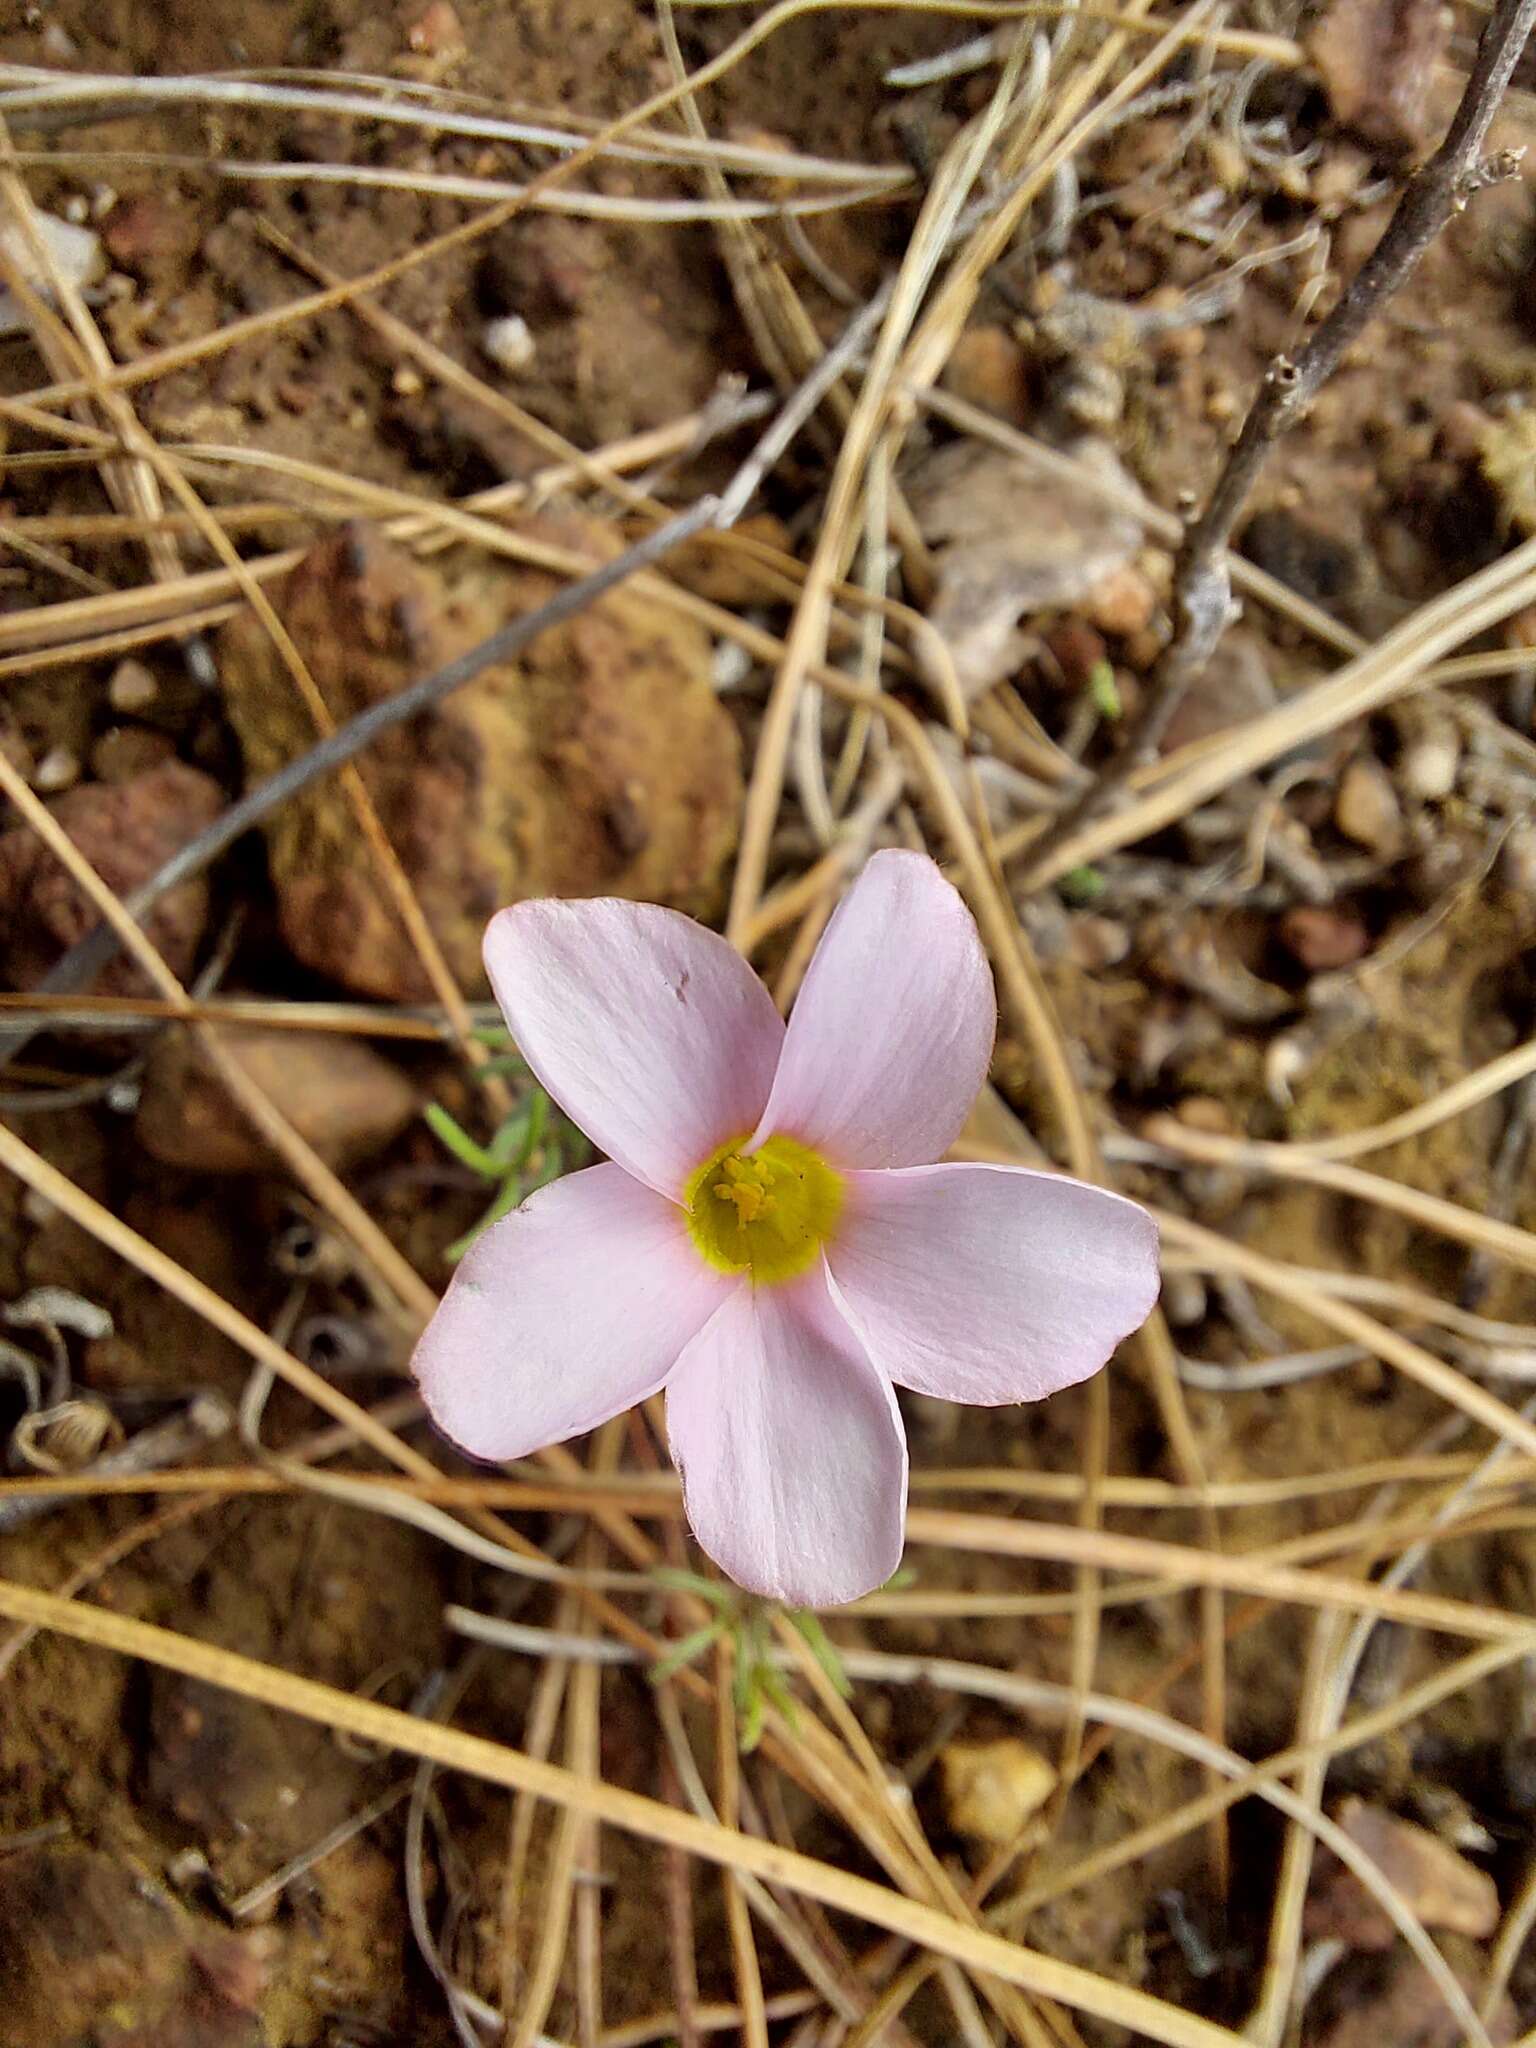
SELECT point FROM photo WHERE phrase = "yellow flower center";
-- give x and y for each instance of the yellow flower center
(767, 1213)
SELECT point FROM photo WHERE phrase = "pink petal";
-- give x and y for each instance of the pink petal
(568, 1311)
(790, 1446)
(988, 1284)
(892, 1031)
(650, 1032)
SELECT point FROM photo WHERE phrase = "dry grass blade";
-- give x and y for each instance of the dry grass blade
(453, 1749)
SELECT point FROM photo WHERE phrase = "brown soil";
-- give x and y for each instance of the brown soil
(162, 1803)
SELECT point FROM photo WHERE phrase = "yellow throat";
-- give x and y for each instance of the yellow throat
(767, 1213)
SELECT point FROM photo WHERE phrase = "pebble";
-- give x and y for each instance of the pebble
(341, 1096)
(1366, 809)
(1123, 604)
(76, 250)
(126, 831)
(59, 769)
(508, 342)
(133, 687)
(437, 32)
(1095, 942)
(1431, 765)
(1234, 686)
(988, 368)
(1323, 937)
(124, 751)
(1439, 1886)
(1377, 61)
(992, 1788)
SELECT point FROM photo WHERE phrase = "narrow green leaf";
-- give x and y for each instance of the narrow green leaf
(683, 1651)
(773, 1685)
(455, 1139)
(752, 1721)
(677, 1580)
(1104, 691)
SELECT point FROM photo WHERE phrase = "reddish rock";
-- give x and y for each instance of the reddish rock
(1377, 61)
(1402, 2007)
(1440, 1887)
(988, 368)
(126, 831)
(93, 1949)
(1323, 937)
(1234, 686)
(437, 32)
(338, 1094)
(151, 235)
(600, 763)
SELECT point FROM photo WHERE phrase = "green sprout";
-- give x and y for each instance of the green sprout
(1082, 885)
(531, 1147)
(757, 1681)
(1105, 691)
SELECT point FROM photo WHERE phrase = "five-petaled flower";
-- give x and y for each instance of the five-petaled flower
(771, 1242)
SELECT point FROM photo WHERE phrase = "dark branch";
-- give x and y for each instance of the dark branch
(1202, 589)
(78, 968)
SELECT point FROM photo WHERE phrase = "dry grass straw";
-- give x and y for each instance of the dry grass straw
(1041, 113)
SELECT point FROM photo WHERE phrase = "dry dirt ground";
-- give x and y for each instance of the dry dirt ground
(1337, 946)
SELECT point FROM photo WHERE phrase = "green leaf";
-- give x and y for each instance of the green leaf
(1104, 691)
(772, 1683)
(455, 1139)
(676, 1580)
(684, 1650)
(1082, 885)
(752, 1721)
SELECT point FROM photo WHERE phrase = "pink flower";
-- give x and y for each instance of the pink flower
(771, 1243)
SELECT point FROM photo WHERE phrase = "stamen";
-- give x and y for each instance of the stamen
(766, 1213)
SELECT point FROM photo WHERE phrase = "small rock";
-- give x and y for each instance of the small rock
(988, 368)
(1123, 604)
(126, 833)
(1431, 764)
(1323, 937)
(59, 46)
(77, 252)
(1012, 539)
(1095, 942)
(1377, 61)
(338, 1094)
(1077, 649)
(1440, 1887)
(1234, 686)
(1366, 809)
(437, 32)
(600, 763)
(124, 751)
(1402, 2008)
(133, 688)
(110, 1956)
(991, 1789)
(1205, 1113)
(508, 342)
(59, 769)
